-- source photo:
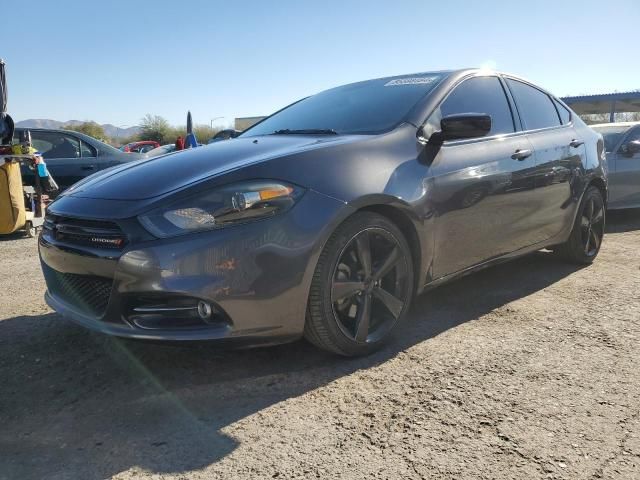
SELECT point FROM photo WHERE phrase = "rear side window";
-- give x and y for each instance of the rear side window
(86, 149)
(535, 107)
(481, 95)
(565, 115)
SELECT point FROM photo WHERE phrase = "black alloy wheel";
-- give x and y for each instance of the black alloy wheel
(585, 240)
(367, 284)
(592, 226)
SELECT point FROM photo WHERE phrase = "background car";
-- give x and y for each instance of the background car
(622, 144)
(161, 150)
(72, 156)
(140, 147)
(224, 135)
(325, 219)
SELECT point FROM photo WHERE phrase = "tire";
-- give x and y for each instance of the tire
(585, 240)
(356, 302)
(30, 230)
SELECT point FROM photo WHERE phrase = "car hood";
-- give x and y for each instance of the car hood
(153, 177)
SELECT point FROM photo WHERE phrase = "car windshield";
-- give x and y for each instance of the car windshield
(372, 106)
(611, 135)
(106, 149)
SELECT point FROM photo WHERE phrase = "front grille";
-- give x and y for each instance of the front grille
(92, 233)
(88, 293)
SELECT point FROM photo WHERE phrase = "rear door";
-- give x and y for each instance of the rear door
(559, 152)
(482, 189)
(624, 174)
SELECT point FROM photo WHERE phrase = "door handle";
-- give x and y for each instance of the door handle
(576, 143)
(88, 167)
(521, 154)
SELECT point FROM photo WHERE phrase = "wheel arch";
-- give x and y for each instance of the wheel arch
(602, 186)
(400, 214)
(401, 219)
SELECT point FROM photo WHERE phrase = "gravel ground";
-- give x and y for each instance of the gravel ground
(523, 371)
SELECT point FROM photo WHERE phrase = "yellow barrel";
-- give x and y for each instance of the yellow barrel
(12, 209)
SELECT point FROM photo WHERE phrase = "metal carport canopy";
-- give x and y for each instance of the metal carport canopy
(605, 103)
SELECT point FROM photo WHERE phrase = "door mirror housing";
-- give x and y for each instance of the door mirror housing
(463, 126)
(631, 148)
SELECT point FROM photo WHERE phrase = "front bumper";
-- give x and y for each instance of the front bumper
(256, 276)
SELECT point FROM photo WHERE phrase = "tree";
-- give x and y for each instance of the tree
(628, 117)
(204, 132)
(590, 119)
(155, 127)
(594, 118)
(88, 128)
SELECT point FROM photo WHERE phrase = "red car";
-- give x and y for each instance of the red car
(140, 147)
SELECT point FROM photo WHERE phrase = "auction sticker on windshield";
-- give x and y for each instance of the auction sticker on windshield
(411, 81)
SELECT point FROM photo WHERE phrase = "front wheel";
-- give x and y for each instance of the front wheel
(585, 240)
(362, 287)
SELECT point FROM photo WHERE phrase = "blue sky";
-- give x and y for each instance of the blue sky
(116, 61)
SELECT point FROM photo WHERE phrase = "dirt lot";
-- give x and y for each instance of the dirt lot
(527, 370)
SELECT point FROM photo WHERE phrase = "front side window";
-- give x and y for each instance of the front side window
(633, 136)
(480, 95)
(55, 145)
(372, 106)
(535, 106)
(611, 135)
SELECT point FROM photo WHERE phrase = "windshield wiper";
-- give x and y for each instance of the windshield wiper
(306, 131)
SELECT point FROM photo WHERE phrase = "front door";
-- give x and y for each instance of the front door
(481, 190)
(624, 174)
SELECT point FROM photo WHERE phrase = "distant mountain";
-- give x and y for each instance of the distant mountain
(117, 132)
(40, 123)
(110, 130)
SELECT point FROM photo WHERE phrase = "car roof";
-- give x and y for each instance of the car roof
(60, 130)
(455, 75)
(57, 130)
(112, 151)
(456, 72)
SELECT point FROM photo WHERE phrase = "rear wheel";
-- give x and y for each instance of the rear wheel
(362, 286)
(588, 230)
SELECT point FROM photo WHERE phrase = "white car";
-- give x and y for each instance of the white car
(161, 150)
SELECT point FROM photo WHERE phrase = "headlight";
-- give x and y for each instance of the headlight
(227, 205)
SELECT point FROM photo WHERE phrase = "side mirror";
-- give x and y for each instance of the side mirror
(465, 125)
(631, 148)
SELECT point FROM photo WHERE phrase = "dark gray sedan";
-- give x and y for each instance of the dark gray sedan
(72, 156)
(622, 144)
(326, 218)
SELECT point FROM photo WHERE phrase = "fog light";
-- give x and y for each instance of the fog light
(204, 310)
